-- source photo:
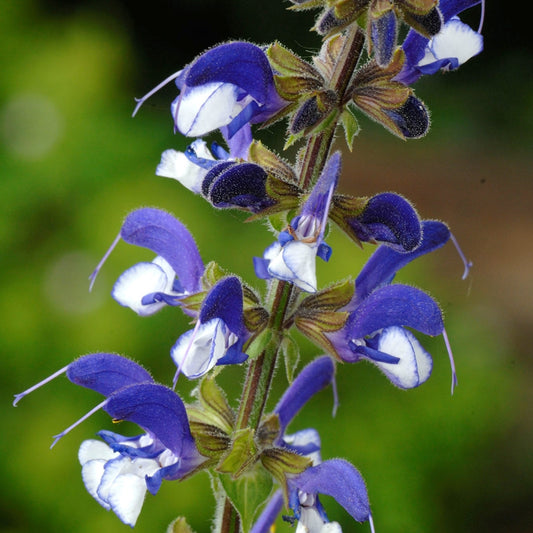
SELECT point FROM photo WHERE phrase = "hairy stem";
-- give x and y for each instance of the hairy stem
(261, 369)
(318, 146)
(230, 519)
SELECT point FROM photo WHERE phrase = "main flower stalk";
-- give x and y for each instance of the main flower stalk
(261, 370)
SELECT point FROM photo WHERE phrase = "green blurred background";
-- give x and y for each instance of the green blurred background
(73, 164)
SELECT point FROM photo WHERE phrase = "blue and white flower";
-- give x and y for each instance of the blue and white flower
(380, 311)
(219, 334)
(189, 167)
(174, 273)
(224, 181)
(293, 257)
(452, 46)
(227, 87)
(118, 473)
(336, 478)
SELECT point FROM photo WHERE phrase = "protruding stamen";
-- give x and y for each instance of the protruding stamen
(468, 264)
(482, 19)
(450, 355)
(182, 363)
(21, 395)
(140, 101)
(335, 396)
(84, 417)
(92, 277)
(371, 522)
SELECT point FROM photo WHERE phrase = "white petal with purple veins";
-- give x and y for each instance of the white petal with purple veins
(208, 107)
(199, 349)
(93, 455)
(142, 279)
(300, 258)
(415, 363)
(455, 40)
(123, 486)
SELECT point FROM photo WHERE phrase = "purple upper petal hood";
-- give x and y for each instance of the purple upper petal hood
(395, 305)
(239, 63)
(159, 411)
(225, 301)
(106, 373)
(385, 262)
(339, 479)
(166, 236)
(243, 65)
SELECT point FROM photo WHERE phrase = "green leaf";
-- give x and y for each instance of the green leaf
(248, 493)
(331, 298)
(268, 431)
(350, 125)
(255, 318)
(271, 162)
(210, 440)
(214, 400)
(179, 526)
(194, 301)
(278, 222)
(291, 88)
(212, 274)
(307, 4)
(287, 63)
(242, 454)
(281, 463)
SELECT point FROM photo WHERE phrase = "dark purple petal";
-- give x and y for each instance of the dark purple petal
(159, 411)
(106, 373)
(308, 115)
(391, 219)
(339, 479)
(384, 30)
(225, 301)
(327, 22)
(168, 237)
(385, 262)
(312, 379)
(242, 185)
(214, 173)
(395, 305)
(239, 63)
(411, 118)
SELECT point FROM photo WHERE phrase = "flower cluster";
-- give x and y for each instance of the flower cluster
(227, 89)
